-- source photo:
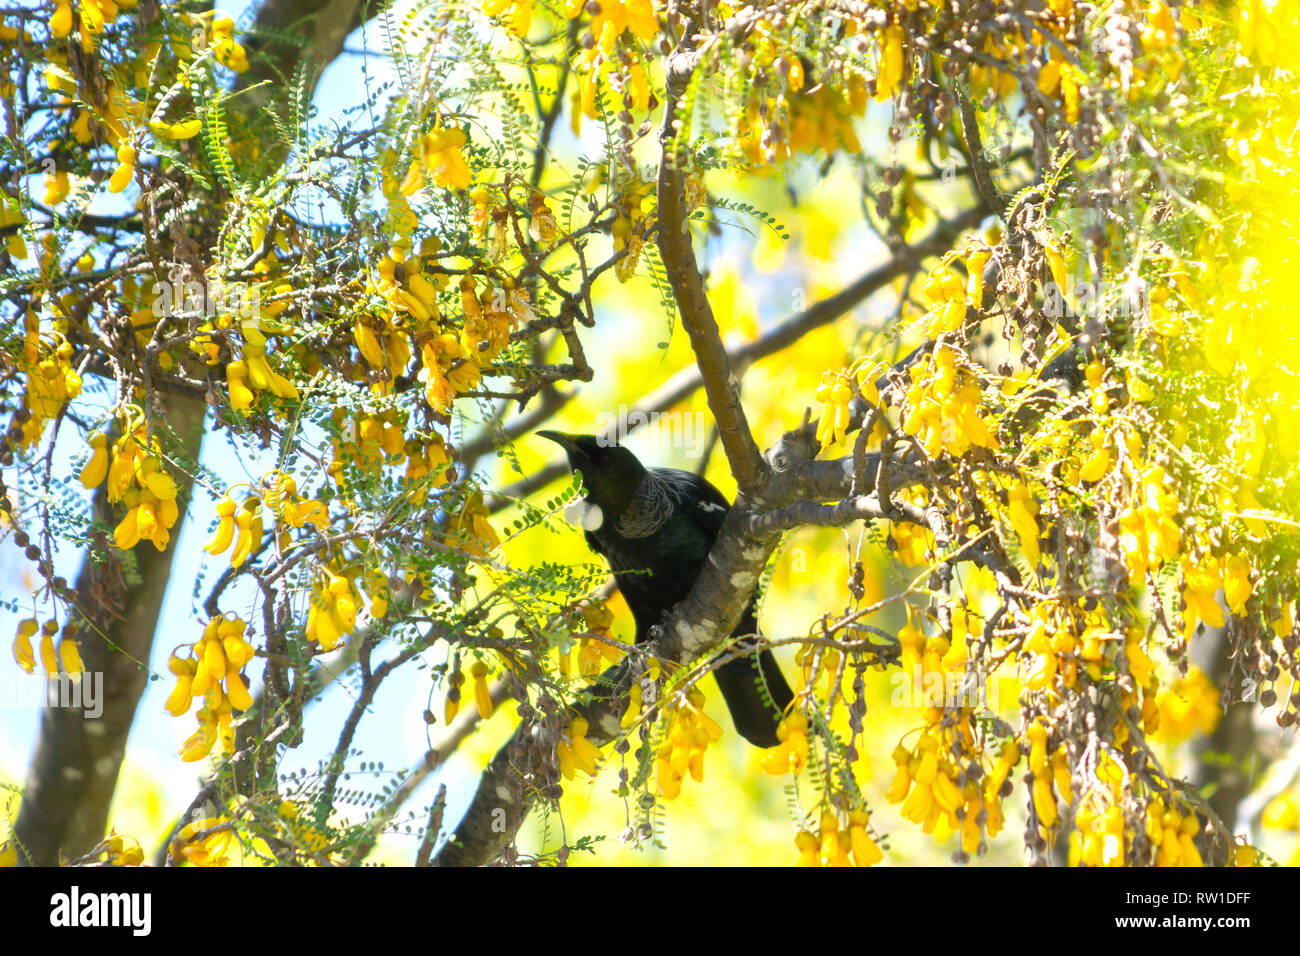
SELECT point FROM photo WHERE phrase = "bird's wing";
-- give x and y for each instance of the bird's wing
(695, 498)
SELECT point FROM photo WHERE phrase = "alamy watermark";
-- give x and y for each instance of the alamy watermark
(76, 908)
(933, 688)
(85, 692)
(236, 300)
(685, 430)
(1080, 297)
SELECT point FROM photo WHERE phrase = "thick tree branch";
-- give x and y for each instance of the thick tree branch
(678, 255)
(979, 166)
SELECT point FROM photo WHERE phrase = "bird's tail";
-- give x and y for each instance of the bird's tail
(754, 688)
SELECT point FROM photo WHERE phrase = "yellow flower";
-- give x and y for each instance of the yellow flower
(438, 154)
(256, 368)
(1098, 462)
(212, 672)
(834, 394)
(790, 755)
(889, 74)
(249, 523)
(519, 13)
(96, 470)
(1049, 77)
(689, 733)
(23, 655)
(61, 19)
(203, 842)
(1098, 838)
(1161, 29)
(187, 129)
(122, 176)
(575, 752)
(241, 396)
(944, 288)
(1148, 532)
(1237, 586)
(1200, 584)
(943, 406)
(809, 848)
(911, 543)
(121, 850)
(127, 533)
(1190, 704)
(178, 702)
(865, 850)
(482, 699)
(471, 530)
(70, 656)
(332, 614)
(225, 532)
(542, 226)
(49, 659)
(228, 52)
(615, 17)
(1021, 509)
(57, 187)
(1072, 91)
(1282, 812)
(835, 843)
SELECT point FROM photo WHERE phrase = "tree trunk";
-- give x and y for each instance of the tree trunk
(74, 771)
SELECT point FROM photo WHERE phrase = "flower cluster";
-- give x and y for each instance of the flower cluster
(943, 407)
(67, 653)
(137, 478)
(212, 670)
(253, 373)
(469, 528)
(332, 614)
(1188, 705)
(91, 18)
(1099, 836)
(791, 753)
(228, 51)
(688, 734)
(630, 228)
(247, 519)
(118, 849)
(1148, 527)
(1046, 770)
(1172, 827)
(593, 648)
(932, 789)
(834, 844)
(52, 382)
(427, 459)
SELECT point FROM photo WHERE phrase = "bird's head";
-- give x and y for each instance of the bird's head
(610, 473)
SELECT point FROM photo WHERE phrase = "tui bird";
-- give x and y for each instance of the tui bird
(664, 521)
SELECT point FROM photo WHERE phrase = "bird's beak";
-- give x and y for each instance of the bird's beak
(567, 442)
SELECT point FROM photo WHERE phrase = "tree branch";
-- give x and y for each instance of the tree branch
(678, 255)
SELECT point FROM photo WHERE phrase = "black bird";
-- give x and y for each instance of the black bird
(664, 521)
